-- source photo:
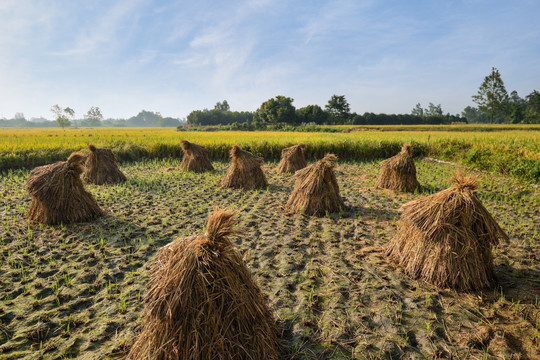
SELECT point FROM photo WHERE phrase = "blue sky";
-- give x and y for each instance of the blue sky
(178, 56)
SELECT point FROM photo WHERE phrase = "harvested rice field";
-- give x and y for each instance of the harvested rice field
(76, 291)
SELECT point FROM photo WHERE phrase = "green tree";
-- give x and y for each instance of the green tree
(339, 108)
(516, 108)
(145, 118)
(19, 116)
(94, 113)
(532, 112)
(473, 115)
(276, 110)
(63, 116)
(417, 110)
(168, 122)
(514, 97)
(492, 97)
(222, 106)
(312, 114)
(93, 117)
(70, 113)
(433, 110)
(19, 120)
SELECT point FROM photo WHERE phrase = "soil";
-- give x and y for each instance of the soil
(76, 291)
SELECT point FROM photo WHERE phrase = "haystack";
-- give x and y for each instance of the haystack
(58, 194)
(203, 303)
(316, 191)
(398, 172)
(292, 159)
(101, 167)
(196, 158)
(245, 171)
(446, 238)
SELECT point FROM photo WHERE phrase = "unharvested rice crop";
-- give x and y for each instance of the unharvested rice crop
(515, 152)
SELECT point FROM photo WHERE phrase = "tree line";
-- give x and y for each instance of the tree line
(280, 110)
(65, 117)
(494, 106)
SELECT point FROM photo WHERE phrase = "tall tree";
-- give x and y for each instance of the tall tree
(418, 111)
(276, 110)
(63, 116)
(492, 96)
(94, 113)
(339, 108)
(516, 108)
(145, 118)
(222, 106)
(433, 110)
(473, 115)
(69, 112)
(312, 114)
(93, 117)
(532, 113)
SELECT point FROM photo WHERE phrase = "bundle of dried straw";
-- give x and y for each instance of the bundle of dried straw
(399, 172)
(58, 194)
(101, 167)
(316, 191)
(446, 238)
(196, 158)
(245, 171)
(292, 159)
(202, 302)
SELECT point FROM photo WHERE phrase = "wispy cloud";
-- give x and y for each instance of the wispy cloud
(332, 19)
(225, 45)
(107, 30)
(19, 20)
(174, 57)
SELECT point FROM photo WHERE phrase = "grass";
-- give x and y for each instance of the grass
(515, 152)
(77, 290)
(455, 127)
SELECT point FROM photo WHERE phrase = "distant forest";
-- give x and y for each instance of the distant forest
(280, 110)
(93, 118)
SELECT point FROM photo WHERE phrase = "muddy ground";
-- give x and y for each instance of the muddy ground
(76, 291)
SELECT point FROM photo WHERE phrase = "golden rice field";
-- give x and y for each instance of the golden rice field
(515, 152)
(22, 140)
